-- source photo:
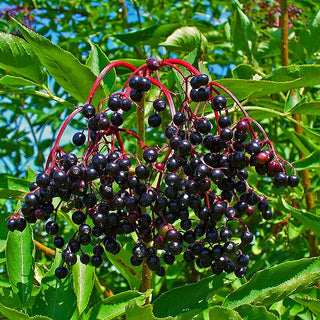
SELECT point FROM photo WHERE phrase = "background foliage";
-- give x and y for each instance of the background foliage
(239, 44)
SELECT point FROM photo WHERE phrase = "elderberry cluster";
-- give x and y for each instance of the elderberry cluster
(188, 196)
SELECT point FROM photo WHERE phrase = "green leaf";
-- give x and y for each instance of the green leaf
(114, 306)
(13, 188)
(151, 36)
(249, 312)
(243, 71)
(76, 78)
(281, 79)
(136, 312)
(83, 281)
(186, 39)
(309, 220)
(276, 283)
(312, 108)
(97, 61)
(16, 55)
(222, 313)
(242, 32)
(122, 262)
(177, 300)
(12, 81)
(302, 142)
(57, 299)
(12, 314)
(310, 162)
(20, 262)
(312, 304)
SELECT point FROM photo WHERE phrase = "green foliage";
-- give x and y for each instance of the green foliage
(43, 74)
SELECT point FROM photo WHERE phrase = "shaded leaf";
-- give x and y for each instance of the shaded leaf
(12, 314)
(151, 35)
(312, 304)
(222, 313)
(114, 306)
(76, 78)
(276, 283)
(20, 262)
(186, 297)
(16, 55)
(136, 312)
(243, 71)
(83, 281)
(310, 162)
(302, 142)
(57, 299)
(312, 108)
(310, 220)
(249, 312)
(122, 262)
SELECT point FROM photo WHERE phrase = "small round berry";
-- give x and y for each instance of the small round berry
(202, 79)
(280, 180)
(240, 272)
(58, 242)
(161, 271)
(203, 94)
(114, 103)
(150, 155)
(104, 123)
(159, 105)
(145, 84)
(126, 104)
(179, 118)
(195, 138)
(243, 260)
(85, 258)
(78, 139)
(203, 126)
(116, 119)
(43, 180)
(136, 95)
(96, 260)
(219, 103)
(88, 111)
(242, 126)
(224, 121)
(153, 64)
(12, 224)
(184, 148)
(52, 227)
(61, 272)
(154, 120)
(293, 181)
(135, 82)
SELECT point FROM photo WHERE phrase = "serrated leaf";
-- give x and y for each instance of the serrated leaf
(222, 313)
(16, 55)
(13, 188)
(309, 220)
(136, 312)
(12, 81)
(96, 62)
(187, 297)
(114, 306)
(249, 312)
(276, 283)
(186, 39)
(20, 262)
(151, 36)
(122, 262)
(76, 78)
(310, 162)
(83, 281)
(312, 304)
(13, 314)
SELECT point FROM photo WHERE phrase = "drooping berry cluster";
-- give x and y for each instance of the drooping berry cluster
(188, 196)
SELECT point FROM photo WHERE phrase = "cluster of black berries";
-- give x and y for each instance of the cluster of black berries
(188, 196)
